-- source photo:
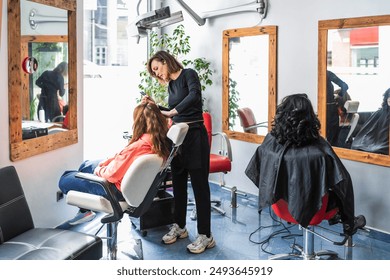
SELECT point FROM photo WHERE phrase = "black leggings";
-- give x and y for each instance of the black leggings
(193, 160)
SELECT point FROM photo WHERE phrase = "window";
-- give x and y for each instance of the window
(112, 63)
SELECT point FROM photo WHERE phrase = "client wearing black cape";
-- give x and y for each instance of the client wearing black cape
(373, 137)
(296, 164)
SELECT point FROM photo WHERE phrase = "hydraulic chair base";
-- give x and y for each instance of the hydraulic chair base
(215, 204)
(130, 249)
(306, 252)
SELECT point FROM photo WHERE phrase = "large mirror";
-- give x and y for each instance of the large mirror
(249, 82)
(353, 76)
(42, 76)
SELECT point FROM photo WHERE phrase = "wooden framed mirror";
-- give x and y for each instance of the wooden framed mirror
(249, 82)
(38, 41)
(356, 51)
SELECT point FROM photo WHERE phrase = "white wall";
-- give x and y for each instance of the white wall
(297, 23)
(39, 174)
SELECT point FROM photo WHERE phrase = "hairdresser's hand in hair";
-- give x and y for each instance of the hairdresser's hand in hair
(170, 114)
(147, 98)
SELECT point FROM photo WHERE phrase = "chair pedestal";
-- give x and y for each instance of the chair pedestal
(130, 250)
(112, 240)
(307, 251)
(214, 206)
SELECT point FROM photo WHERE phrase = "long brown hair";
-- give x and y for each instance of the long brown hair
(148, 119)
(173, 64)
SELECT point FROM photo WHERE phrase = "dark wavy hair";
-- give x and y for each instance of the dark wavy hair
(386, 95)
(295, 122)
(62, 68)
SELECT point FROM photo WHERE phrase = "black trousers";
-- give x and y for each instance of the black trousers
(193, 161)
(332, 124)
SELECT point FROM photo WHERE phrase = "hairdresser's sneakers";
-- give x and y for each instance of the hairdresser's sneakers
(174, 233)
(82, 217)
(201, 243)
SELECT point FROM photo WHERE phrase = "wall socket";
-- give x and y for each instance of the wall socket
(59, 195)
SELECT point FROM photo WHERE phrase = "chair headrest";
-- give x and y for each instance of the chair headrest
(177, 133)
(247, 118)
(351, 106)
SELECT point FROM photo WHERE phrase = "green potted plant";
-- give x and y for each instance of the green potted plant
(233, 105)
(178, 44)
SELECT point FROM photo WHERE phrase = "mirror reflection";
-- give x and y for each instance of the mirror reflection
(44, 92)
(249, 82)
(38, 35)
(358, 65)
(30, 65)
(48, 88)
(353, 70)
(248, 75)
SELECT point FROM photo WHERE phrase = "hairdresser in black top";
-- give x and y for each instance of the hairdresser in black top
(332, 115)
(193, 159)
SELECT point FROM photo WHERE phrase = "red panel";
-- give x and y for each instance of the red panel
(208, 124)
(220, 164)
(364, 36)
(281, 210)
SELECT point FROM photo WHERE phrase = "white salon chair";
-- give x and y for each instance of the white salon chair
(352, 116)
(139, 188)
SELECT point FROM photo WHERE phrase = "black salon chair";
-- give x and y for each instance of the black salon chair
(21, 240)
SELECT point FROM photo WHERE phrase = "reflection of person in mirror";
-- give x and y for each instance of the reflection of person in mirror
(373, 137)
(52, 87)
(150, 130)
(340, 100)
(193, 160)
(332, 115)
(296, 164)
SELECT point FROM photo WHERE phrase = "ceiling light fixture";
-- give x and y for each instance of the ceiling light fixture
(162, 17)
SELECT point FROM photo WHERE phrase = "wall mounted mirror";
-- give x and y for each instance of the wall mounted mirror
(353, 75)
(249, 82)
(38, 42)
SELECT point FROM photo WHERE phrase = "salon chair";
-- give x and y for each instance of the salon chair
(306, 252)
(306, 182)
(353, 124)
(21, 240)
(248, 120)
(139, 187)
(350, 122)
(219, 163)
(351, 108)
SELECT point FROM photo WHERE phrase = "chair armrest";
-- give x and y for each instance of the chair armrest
(107, 186)
(225, 142)
(261, 124)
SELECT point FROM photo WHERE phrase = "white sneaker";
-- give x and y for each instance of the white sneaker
(174, 233)
(82, 217)
(201, 243)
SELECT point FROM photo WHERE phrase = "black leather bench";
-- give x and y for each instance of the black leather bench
(19, 239)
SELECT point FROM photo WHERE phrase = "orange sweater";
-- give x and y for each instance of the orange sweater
(113, 169)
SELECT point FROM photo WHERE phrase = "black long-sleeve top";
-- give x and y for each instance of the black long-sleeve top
(185, 95)
(330, 79)
(50, 82)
